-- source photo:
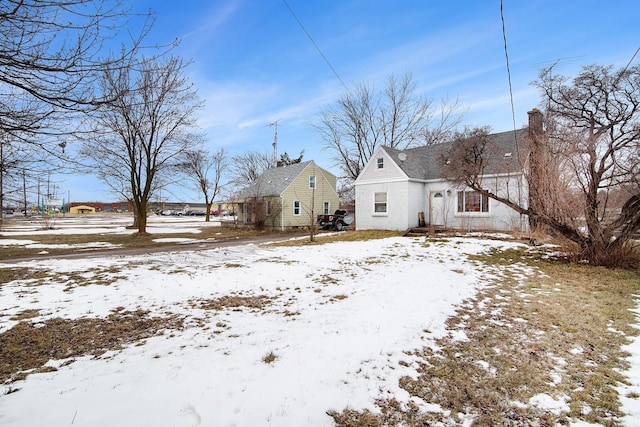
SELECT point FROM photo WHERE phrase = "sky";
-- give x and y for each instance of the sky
(342, 327)
(253, 64)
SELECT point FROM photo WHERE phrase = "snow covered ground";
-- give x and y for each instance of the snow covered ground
(337, 317)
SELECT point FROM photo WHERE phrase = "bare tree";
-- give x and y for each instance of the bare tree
(364, 119)
(138, 137)
(584, 171)
(205, 170)
(51, 53)
(248, 166)
(285, 159)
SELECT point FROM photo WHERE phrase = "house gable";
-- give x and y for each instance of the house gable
(300, 203)
(382, 167)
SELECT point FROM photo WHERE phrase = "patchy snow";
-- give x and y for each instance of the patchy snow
(548, 403)
(339, 320)
(356, 308)
(629, 393)
(174, 240)
(103, 224)
(16, 242)
(33, 245)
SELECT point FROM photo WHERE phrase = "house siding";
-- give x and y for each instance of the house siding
(299, 190)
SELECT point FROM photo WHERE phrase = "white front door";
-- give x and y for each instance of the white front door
(436, 206)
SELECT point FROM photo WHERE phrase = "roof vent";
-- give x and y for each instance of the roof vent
(402, 156)
(507, 154)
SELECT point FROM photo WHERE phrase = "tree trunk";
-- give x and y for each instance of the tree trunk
(141, 216)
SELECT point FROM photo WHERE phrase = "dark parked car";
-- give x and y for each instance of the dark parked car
(340, 220)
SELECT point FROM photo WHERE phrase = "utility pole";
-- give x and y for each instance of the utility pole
(1, 183)
(24, 189)
(275, 142)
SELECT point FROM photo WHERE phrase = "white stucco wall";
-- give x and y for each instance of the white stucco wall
(397, 200)
(499, 218)
(405, 199)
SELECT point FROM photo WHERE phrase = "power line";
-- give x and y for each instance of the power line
(314, 44)
(506, 54)
(631, 60)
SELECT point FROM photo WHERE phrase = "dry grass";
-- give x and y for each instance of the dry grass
(558, 333)
(121, 240)
(343, 236)
(27, 347)
(235, 303)
(21, 273)
(270, 357)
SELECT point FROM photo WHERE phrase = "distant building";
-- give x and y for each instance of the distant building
(82, 209)
(102, 206)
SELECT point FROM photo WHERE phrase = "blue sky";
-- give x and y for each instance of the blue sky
(253, 64)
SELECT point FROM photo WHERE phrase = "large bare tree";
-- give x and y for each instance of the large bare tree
(364, 119)
(584, 170)
(51, 53)
(205, 170)
(137, 139)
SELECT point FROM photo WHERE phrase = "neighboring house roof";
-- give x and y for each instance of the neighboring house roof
(274, 181)
(426, 162)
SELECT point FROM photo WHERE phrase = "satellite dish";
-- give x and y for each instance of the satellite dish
(402, 156)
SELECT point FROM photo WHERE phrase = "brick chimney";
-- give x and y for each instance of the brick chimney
(536, 120)
(537, 165)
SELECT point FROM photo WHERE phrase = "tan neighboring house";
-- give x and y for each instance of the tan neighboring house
(82, 209)
(288, 196)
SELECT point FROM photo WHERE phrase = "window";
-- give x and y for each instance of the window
(325, 209)
(380, 203)
(269, 208)
(472, 201)
(312, 181)
(380, 162)
(296, 207)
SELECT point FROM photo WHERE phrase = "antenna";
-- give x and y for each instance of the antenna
(275, 142)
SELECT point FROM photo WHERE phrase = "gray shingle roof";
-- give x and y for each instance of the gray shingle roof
(274, 181)
(426, 162)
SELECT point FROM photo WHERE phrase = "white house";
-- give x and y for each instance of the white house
(400, 190)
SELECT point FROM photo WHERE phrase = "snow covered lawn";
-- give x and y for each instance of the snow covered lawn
(271, 335)
(337, 317)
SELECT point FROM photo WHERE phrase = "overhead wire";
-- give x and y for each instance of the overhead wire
(631, 60)
(506, 54)
(315, 44)
(513, 110)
